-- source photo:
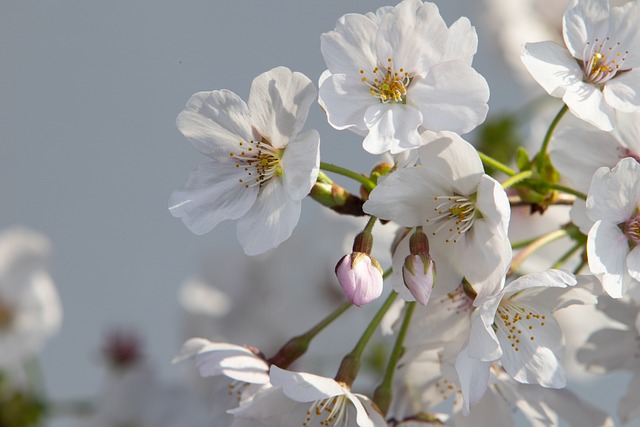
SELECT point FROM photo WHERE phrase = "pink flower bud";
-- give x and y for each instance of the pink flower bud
(418, 273)
(360, 277)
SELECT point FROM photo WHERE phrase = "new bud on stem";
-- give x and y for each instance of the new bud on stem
(419, 270)
(358, 273)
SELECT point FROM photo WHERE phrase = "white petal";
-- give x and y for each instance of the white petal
(483, 342)
(552, 66)
(596, 149)
(346, 100)
(301, 164)
(473, 375)
(350, 47)
(401, 196)
(215, 121)
(452, 96)
(578, 215)
(452, 159)
(587, 102)
(607, 250)
(623, 91)
(615, 193)
(493, 203)
(304, 387)
(270, 221)
(546, 279)
(279, 102)
(367, 415)
(462, 42)
(537, 360)
(623, 28)
(633, 263)
(414, 36)
(393, 127)
(190, 348)
(212, 194)
(485, 258)
(583, 22)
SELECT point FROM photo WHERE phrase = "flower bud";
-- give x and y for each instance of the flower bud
(360, 277)
(418, 270)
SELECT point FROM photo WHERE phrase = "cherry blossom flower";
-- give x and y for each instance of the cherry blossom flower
(597, 72)
(248, 371)
(30, 310)
(262, 165)
(307, 400)
(517, 327)
(464, 212)
(613, 243)
(399, 70)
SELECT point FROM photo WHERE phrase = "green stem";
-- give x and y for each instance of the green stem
(568, 190)
(517, 178)
(533, 247)
(370, 224)
(490, 161)
(521, 244)
(580, 266)
(567, 255)
(383, 393)
(366, 182)
(351, 363)
(552, 127)
(297, 346)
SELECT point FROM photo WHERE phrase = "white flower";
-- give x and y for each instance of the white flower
(262, 166)
(599, 72)
(517, 327)
(613, 243)
(249, 372)
(399, 70)
(579, 149)
(307, 400)
(464, 212)
(30, 310)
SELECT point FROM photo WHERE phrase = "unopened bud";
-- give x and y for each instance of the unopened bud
(360, 277)
(418, 270)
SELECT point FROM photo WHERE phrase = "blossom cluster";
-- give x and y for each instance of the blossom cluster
(479, 329)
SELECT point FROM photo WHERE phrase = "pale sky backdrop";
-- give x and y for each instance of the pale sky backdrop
(89, 151)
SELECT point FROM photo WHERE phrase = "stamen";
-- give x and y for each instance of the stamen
(333, 412)
(517, 323)
(455, 214)
(632, 230)
(259, 160)
(388, 85)
(605, 61)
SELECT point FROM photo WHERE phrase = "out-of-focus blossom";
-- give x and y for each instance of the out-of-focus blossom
(400, 70)
(262, 165)
(613, 244)
(30, 310)
(598, 71)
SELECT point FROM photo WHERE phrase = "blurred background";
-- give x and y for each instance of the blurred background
(89, 153)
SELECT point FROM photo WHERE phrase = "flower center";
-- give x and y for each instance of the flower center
(632, 230)
(624, 152)
(605, 61)
(258, 160)
(455, 214)
(517, 323)
(331, 412)
(387, 84)
(6, 316)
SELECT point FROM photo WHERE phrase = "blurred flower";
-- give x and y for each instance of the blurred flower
(30, 310)
(598, 73)
(399, 70)
(262, 165)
